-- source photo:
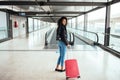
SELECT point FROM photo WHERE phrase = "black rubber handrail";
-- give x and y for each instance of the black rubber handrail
(113, 35)
(92, 33)
(72, 38)
(72, 42)
(46, 36)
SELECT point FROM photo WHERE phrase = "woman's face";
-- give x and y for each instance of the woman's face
(64, 22)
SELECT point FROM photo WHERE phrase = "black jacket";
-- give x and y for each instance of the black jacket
(62, 34)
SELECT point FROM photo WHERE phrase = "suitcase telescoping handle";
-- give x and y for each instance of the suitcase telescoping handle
(69, 49)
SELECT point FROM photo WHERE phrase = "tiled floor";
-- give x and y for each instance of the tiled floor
(34, 41)
(39, 65)
(24, 59)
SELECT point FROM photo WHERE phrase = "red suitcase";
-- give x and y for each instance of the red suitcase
(72, 70)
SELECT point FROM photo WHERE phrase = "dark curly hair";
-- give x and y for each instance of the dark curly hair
(60, 21)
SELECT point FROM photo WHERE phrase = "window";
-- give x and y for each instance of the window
(69, 23)
(74, 23)
(80, 22)
(115, 27)
(35, 24)
(96, 23)
(30, 24)
(3, 26)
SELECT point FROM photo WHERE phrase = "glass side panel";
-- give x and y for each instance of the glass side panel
(115, 27)
(3, 26)
(96, 23)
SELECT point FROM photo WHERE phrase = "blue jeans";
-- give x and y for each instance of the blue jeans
(62, 50)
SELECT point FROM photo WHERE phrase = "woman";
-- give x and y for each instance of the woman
(62, 43)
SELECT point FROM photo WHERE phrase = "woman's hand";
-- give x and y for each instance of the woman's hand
(68, 46)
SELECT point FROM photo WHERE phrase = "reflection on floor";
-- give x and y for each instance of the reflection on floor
(34, 41)
(40, 65)
(25, 59)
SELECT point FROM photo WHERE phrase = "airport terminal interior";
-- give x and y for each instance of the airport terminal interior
(29, 49)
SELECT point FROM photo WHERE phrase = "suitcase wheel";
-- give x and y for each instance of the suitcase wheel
(67, 78)
(78, 77)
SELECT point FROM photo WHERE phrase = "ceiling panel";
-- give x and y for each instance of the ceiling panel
(81, 0)
(64, 0)
(24, 0)
(51, 19)
(63, 8)
(73, 8)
